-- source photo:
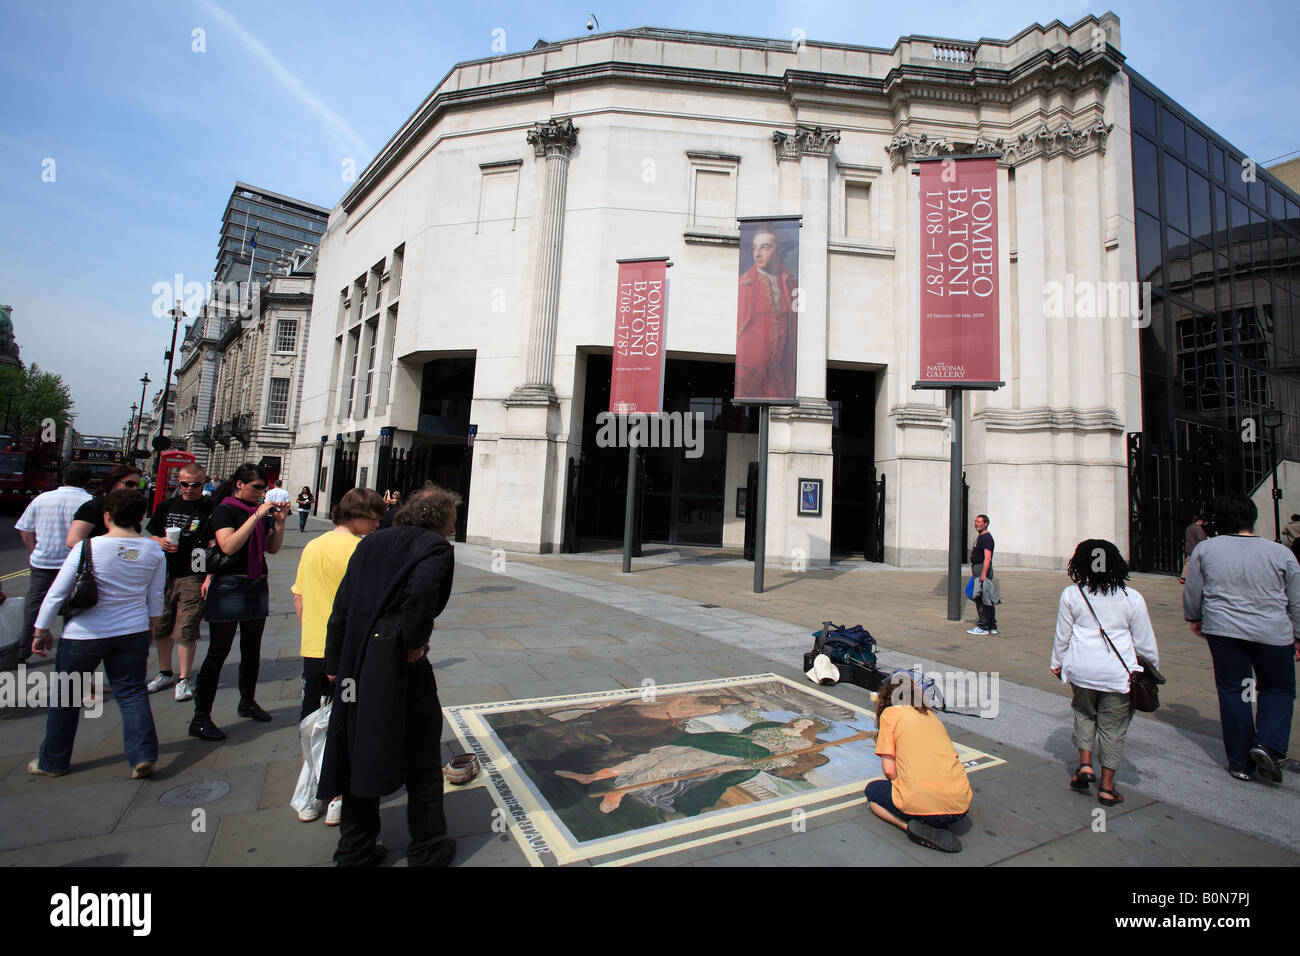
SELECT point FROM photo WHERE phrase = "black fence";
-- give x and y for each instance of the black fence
(1166, 486)
(407, 470)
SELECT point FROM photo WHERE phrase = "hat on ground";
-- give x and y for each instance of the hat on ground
(824, 671)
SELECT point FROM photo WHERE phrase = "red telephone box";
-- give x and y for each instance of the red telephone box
(169, 475)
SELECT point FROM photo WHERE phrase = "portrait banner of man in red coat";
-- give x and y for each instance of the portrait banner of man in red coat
(767, 300)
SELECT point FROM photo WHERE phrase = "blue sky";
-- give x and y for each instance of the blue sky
(148, 136)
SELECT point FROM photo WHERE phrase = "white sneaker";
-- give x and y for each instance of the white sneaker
(977, 630)
(994, 631)
(185, 689)
(160, 682)
(311, 811)
(334, 815)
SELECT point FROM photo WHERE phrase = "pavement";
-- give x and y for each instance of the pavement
(525, 626)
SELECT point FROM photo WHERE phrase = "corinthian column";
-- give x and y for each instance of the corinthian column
(553, 140)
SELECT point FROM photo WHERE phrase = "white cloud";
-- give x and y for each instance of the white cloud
(344, 136)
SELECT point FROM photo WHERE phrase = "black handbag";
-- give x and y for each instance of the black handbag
(216, 561)
(85, 592)
(1143, 685)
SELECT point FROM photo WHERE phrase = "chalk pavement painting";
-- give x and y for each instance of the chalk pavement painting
(626, 775)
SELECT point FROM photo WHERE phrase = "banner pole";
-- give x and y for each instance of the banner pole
(630, 508)
(955, 557)
(760, 515)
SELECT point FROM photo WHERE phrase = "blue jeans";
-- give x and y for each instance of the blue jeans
(302, 519)
(1274, 676)
(125, 660)
(881, 793)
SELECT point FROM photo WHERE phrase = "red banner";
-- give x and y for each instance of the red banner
(959, 272)
(637, 384)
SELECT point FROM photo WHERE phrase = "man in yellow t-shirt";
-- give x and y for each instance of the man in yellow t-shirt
(322, 566)
(925, 790)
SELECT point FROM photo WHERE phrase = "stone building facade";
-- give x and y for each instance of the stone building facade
(468, 279)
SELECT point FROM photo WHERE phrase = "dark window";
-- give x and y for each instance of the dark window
(1148, 248)
(1234, 173)
(1146, 190)
(1172, 130)
(1240, 219)
(1216, 162)
(1220, 211)
(1175, 193)
(1257, 192)
(1143, 110)
(1198, 194)
(1196, 148)
(1276, 204)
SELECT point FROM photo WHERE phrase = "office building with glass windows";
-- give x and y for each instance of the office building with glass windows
(463, 320)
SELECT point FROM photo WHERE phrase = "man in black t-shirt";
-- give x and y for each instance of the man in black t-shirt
(981, 568)
(188, 515)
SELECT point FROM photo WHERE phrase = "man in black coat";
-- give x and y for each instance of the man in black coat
(386, 726)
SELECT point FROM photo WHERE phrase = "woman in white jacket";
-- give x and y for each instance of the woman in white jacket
(1083, 658)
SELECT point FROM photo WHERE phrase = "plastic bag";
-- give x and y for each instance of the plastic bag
(312, 731)
(11, 622)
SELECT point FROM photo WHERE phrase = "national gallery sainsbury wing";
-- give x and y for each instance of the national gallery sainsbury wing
(463, 321)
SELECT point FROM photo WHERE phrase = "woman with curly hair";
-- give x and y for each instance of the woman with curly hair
(1096, 665)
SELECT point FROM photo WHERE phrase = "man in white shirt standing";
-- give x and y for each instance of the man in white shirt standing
(44, 528)
(278, 496)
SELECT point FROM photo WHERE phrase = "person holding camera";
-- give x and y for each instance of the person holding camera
(237, 597)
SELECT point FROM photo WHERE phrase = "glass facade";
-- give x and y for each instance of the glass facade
(1218, 239)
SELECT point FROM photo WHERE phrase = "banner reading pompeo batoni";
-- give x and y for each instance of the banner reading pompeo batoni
(637, 383)
(767, 302)
(959, 272)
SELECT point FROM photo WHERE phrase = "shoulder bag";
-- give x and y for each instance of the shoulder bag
(1143, 685)
(85, 592)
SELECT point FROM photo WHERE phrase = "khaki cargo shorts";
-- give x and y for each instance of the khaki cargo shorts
(182, 609)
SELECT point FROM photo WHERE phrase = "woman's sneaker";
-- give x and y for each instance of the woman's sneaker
(185, 689)
(161, 682)
(334, 815)
(311, 811)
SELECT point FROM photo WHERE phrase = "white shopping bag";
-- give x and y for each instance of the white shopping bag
(312, 730)
(11, 622)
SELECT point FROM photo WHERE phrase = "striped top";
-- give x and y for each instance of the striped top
(50, 516)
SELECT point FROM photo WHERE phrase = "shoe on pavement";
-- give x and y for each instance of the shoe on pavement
(1241, 774)
(160, 682)
(994, 631)
(311, 811)
(976, 630)
(1266, 764)
(373, 858)
(446, 853)
(205, 729)
(142, 770)
(334, 815)
(185, 689)
(35, 768)
(932, 837)
(249, 708)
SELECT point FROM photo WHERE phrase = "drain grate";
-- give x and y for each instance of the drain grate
(195, 794)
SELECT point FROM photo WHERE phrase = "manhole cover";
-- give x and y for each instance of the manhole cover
(195, 794)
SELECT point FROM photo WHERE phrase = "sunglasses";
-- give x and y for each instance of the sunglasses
(190, 484)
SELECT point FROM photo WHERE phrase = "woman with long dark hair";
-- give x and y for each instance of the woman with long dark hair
(246, 529)
(1098, 669)
(305, 501)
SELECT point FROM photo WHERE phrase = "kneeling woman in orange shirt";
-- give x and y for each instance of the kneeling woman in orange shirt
(926, 791)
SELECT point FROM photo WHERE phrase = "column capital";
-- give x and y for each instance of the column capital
(804, 141)
(553, 138)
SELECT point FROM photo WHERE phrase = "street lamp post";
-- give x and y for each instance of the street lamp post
(176, 315)
(1273, 421)
(128, 432)
(144, 385)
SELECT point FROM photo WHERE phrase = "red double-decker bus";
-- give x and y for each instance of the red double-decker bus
(28, 467)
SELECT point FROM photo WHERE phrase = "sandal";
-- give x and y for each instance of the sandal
(1116, 797)
(1081, 780)
(932, 837)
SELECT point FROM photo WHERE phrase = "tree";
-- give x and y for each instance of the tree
(30, 396)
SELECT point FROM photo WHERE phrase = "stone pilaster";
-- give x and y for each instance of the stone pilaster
(552, 141)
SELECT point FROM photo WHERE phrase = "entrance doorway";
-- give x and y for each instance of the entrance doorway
(855, 517)
(684, 497)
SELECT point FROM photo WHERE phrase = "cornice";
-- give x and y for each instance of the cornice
(1036, 419)
(917, 413)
